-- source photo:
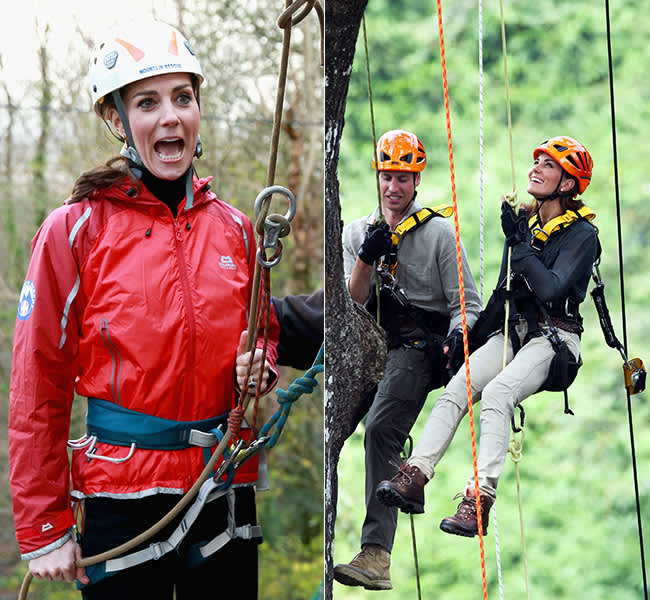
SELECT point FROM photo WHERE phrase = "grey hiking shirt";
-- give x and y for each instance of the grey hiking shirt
(427, 269)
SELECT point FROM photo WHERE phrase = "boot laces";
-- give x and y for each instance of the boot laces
(366, 552)
(404, 472)
(466, 508)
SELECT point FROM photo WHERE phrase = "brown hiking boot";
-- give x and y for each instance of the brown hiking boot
(405, 490)
(370, 568)
(465, 521)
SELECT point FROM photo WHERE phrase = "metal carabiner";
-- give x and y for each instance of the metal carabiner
(228, 460)
(276, 189)
(274, 260)
(251, 450)
(92, 452)
(275, 225)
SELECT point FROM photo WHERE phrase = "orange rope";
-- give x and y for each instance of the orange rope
(461, 286)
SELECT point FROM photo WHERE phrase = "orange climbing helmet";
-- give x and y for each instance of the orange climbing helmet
(572, 157)
(400, 150)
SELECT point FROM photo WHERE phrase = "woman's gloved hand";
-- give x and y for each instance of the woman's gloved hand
(453, 348)
(514, 226)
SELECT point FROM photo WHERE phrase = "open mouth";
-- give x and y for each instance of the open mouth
(169, 150)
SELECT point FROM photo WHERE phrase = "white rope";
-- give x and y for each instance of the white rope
(480, 139)
(497, 549)
(482, 239)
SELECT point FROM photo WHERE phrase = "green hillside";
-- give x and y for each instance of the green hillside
(576, 472)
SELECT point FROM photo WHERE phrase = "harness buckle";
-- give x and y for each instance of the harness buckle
(156, 550)
(205, 439)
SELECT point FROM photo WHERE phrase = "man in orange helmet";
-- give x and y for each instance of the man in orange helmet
(414, 255)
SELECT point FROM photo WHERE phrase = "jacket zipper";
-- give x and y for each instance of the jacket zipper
(116, 357)
(187, 295)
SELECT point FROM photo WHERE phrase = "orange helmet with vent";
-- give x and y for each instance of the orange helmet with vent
(400, 150)
(572, 157)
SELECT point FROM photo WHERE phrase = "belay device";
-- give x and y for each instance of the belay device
(633, 369)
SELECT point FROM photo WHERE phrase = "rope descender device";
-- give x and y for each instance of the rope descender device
(634, 372)
(274, 226)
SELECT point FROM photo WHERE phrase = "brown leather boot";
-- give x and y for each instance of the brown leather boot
(405, 490)
(370, 568)
(465, 521)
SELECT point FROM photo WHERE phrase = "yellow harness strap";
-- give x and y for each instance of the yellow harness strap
(419, 218)
(541, 234)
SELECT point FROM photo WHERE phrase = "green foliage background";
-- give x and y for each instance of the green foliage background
(577, 484)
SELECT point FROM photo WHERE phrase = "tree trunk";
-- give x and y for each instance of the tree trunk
(356, 352)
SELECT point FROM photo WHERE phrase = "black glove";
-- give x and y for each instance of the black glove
(515, 226)
(377, 243)
(456, 353)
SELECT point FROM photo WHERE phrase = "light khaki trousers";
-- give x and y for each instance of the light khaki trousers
(500, 390)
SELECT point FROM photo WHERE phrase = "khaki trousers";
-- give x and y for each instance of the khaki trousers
(500, 390)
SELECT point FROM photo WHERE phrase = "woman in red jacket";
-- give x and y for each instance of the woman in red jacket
(136, 298)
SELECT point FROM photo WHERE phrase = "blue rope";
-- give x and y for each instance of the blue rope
(301, 385)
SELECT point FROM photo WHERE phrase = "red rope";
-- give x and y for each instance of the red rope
(461, 286)
(265, 313)
(235, 418)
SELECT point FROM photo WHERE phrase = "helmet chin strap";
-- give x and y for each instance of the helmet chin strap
(555, 194)
(128, 151)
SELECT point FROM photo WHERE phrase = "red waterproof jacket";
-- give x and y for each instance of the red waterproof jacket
(125, 303)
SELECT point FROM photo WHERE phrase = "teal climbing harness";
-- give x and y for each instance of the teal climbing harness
(150, 429)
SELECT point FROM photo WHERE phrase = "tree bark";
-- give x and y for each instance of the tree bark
(356, 351)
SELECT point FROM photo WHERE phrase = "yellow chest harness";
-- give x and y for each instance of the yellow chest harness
(419, 218)
(411, 223)
(542, 234)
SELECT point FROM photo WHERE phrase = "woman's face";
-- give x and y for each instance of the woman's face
(164, 117)
(544, 177)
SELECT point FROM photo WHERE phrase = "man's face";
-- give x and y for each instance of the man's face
(397, 189)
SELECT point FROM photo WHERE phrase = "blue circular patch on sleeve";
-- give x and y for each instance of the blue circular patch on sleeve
(27, 300)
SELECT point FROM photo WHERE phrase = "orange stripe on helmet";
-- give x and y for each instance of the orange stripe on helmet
(136, 53)
(173, 45)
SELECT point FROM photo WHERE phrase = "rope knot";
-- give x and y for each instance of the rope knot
(515, 446)
(235, 419)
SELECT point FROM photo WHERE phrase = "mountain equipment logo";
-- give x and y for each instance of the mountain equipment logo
(27, 300)
(227, 263)
(46, 527)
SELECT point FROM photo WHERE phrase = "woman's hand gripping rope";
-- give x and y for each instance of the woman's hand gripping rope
(251, 362)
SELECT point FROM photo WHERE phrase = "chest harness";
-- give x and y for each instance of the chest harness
(406, 324)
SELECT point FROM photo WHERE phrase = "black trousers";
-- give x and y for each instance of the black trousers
(409, 375)
(109, 523)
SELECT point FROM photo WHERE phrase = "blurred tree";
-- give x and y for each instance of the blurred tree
(39, 164)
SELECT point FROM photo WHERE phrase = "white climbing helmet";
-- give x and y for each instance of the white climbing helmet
(137, 52)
